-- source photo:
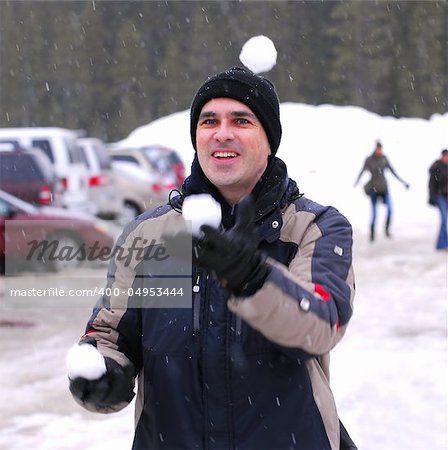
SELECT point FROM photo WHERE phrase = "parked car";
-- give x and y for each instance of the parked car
(140, 189)
(167, 162)
(102, 185)
(29, 175)
(61, 147)
(153, 159)
(49, 238)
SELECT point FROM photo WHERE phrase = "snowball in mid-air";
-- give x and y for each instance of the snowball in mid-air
(259, 54)
(201, 209)
(85, 361)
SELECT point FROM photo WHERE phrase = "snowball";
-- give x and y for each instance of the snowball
(259, 54)
(85, 361)
(201, 209)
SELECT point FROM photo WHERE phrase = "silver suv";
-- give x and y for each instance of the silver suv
(61, 147)
(103, 189)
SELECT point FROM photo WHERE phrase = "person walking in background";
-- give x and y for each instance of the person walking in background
(438, 196)
(377, 188)
(246, 364)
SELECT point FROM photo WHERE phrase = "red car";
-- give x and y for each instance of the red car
(167, 162)
(29, 175)
(49, 238)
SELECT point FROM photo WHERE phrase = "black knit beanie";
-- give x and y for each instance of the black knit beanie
(255, 91)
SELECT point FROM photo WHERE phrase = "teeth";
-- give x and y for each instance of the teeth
(224, 154)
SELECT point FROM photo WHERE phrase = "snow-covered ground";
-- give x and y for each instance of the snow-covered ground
(389, 374)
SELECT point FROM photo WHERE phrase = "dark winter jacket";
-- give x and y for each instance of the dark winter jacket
(233, 373)
(377, 165)
(438, 181)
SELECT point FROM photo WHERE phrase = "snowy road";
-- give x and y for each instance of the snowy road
(389, 374)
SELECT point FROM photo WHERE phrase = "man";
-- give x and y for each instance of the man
(376, 188)
(438, 196)
(246, 366)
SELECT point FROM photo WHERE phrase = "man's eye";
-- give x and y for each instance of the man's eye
(208, 121)
(242, 121)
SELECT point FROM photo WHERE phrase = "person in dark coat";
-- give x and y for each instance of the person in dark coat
(377, 188)
(438, 196)
(236, 357)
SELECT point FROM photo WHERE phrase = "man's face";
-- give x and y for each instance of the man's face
(232, 147)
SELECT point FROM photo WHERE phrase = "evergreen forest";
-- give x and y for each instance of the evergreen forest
(110, 66)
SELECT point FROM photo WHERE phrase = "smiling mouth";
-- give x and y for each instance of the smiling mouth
(224, 154)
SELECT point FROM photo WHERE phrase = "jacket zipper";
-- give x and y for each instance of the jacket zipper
(238, 328)
(197, 305)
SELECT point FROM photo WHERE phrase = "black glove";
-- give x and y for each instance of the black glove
(114, 387)
(233, 254)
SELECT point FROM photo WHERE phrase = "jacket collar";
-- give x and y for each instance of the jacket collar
(271, 194)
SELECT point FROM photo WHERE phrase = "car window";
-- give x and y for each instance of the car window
(103, 157)
(6, 147)
(10, 143)
(131, 171)
(4, 208)
(174, 158)
(19, 167)
(15, 204)
(88, 162)
(157, 159)
(126, 158)
(76, 155)
(44, 144)
(162, 159)
(44, 164)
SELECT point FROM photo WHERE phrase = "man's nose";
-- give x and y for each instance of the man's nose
(224, 132)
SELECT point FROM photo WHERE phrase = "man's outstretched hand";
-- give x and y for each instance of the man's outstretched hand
(233, 255)
(114, 386)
